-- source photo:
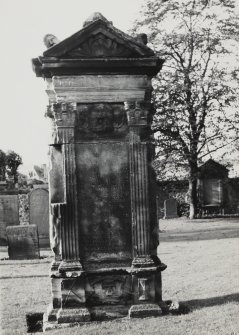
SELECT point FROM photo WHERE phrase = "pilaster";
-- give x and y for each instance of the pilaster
(138, 123)
(63, 115)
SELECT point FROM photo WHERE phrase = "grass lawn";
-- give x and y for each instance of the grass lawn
(203, 271)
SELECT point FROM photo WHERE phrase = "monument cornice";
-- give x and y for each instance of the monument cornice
(48, 67)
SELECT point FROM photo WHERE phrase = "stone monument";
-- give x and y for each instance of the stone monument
(8, 214)
(170, 209)
(103, 226)
(23, 242)
(39, 214)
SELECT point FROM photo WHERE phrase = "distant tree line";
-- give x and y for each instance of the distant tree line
(9, 164)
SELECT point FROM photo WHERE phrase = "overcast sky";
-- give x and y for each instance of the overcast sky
(23, 24)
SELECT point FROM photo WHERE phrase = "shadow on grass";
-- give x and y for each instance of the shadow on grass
(210, 302)
(199, 236)
(30, 276)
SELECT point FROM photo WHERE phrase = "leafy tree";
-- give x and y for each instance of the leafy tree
(2, 166)
(13, 161)
(195, 94)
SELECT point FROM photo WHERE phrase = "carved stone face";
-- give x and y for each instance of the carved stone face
(101, 119)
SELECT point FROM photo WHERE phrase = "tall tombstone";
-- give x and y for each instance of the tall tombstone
(8, 214)
(39, 213)
(170, 209)
(104, 229)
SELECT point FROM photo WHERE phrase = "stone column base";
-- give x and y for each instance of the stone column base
(63, 318)
(71, 315)
(144, 310)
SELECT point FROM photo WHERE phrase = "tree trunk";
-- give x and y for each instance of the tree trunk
(193, 196)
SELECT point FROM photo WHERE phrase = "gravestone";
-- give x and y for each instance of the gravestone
(103, 226)
(39, 214)
(170, 209)
(8, 214)
(23, 242)
(212, 178)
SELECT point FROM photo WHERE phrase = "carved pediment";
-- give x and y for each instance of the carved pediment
(86, 52)
(99, 38)
(100, 45)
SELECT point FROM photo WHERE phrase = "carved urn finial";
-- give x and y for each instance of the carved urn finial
(50, 40)
(94, 17)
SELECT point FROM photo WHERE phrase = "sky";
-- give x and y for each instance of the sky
(23, 24)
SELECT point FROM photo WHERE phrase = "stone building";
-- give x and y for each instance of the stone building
(217, 193)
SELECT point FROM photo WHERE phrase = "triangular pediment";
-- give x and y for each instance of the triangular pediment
(99, 39)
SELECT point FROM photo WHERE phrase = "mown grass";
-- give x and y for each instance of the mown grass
(202, 272)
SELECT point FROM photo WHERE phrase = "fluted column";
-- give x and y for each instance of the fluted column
(139, 186)
(64, 115)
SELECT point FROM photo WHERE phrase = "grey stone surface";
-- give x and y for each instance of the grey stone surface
(73, 315)
(23, 242)
(144, 310)
(8, 214)
(170, 209)
(23, 203)
(39, 213)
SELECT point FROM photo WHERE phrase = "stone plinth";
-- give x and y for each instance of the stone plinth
(103, 223)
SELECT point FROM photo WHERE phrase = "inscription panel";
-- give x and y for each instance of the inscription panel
(104, 198)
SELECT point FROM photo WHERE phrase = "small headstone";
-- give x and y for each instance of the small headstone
(8, 215)
(170, 209)
(23, 242)
(39, 213)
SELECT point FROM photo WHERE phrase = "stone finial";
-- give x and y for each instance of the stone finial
(50, 40)
(94, 17)
(142, 38)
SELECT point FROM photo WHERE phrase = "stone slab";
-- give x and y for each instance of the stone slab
(8, 214)
(39, 213)
(170, 209)
(73, 315)
(144, 310)
(23, 242)
(103, 187)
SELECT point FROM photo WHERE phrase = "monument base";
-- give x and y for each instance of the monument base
(104, 294)
(74, 317)
(144, 310)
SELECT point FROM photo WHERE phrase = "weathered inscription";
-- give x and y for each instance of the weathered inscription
(104, 196)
